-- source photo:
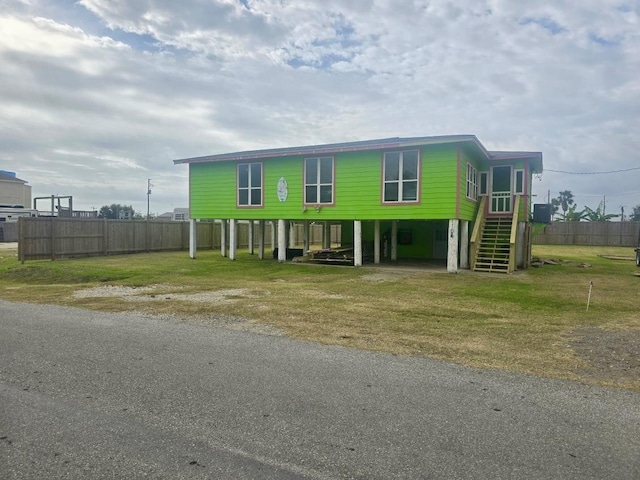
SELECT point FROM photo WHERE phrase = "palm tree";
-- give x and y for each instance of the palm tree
(564, 200)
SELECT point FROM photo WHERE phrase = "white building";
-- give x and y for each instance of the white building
(14, 192)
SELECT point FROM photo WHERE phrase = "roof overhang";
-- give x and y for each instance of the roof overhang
(534, 159)
(467, 141)
(380, 144)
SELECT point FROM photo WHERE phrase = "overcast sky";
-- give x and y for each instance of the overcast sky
(97, 96)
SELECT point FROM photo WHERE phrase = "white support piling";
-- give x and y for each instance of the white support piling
(376, 241)
(452, 246)
(357, 243)
(223, 237)
(394, 240)
(282, 240)
(464, 244)
(193, 241)
(233, 240)
(261, 239)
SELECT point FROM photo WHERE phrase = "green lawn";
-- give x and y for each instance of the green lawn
(518, 322)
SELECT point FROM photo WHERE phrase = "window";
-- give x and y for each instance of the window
(400, 174)
(250, 184)
(519, 182)
(472, 182)
(318, 180)
(484, 183)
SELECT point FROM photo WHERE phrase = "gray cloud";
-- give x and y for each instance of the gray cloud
(99, 96)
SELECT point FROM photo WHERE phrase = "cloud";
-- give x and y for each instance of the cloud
(98, 96)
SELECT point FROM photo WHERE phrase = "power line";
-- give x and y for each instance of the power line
(591, 173)
(608, 194)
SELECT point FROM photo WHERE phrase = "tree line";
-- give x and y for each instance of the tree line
(570, 213)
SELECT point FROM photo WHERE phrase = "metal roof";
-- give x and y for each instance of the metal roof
(11, 178)
(383, 143)
(364, 145)
(535, 158)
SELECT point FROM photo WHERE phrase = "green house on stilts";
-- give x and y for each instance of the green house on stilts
(443, 198)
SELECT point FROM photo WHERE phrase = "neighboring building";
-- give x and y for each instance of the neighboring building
(396, 198)
(178, 215)
(14, 192)
(15, 198)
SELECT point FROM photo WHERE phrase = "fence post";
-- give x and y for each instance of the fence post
(52, 239)
(21, 239)
(105, 236)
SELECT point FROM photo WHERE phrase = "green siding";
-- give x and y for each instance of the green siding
(468, 208)
(358, 186)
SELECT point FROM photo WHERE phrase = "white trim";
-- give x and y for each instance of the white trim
(515, 182)
(486, 184)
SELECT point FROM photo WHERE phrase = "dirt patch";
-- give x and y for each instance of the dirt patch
(153, 293)
(611, 356)
(387, 276)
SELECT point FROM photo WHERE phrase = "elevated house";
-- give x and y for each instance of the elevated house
(441, 198)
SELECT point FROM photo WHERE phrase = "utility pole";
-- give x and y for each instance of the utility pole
(149, 185)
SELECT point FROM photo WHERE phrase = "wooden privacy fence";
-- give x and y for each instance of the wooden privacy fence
(55, 237)
(8, 231)
(609, 234)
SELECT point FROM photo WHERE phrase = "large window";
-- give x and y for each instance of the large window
(472, 182)
(318, 180)
(250, 184)
(400, 174)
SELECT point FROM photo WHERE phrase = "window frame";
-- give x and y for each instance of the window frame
(401, 180)
(517, 172)
(472, 183)
(483, 187)
(249, 188)
(318, 184)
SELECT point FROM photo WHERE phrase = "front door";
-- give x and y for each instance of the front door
(500, 189)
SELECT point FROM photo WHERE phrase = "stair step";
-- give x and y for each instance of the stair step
(494, 248)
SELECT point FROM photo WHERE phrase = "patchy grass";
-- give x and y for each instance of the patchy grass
(522, 322)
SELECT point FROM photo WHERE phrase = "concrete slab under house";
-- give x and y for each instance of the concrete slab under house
(439, 198)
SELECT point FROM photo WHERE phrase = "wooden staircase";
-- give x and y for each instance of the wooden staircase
(494, 249)
(493, 241)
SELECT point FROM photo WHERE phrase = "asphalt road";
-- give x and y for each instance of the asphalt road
(95, 395)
